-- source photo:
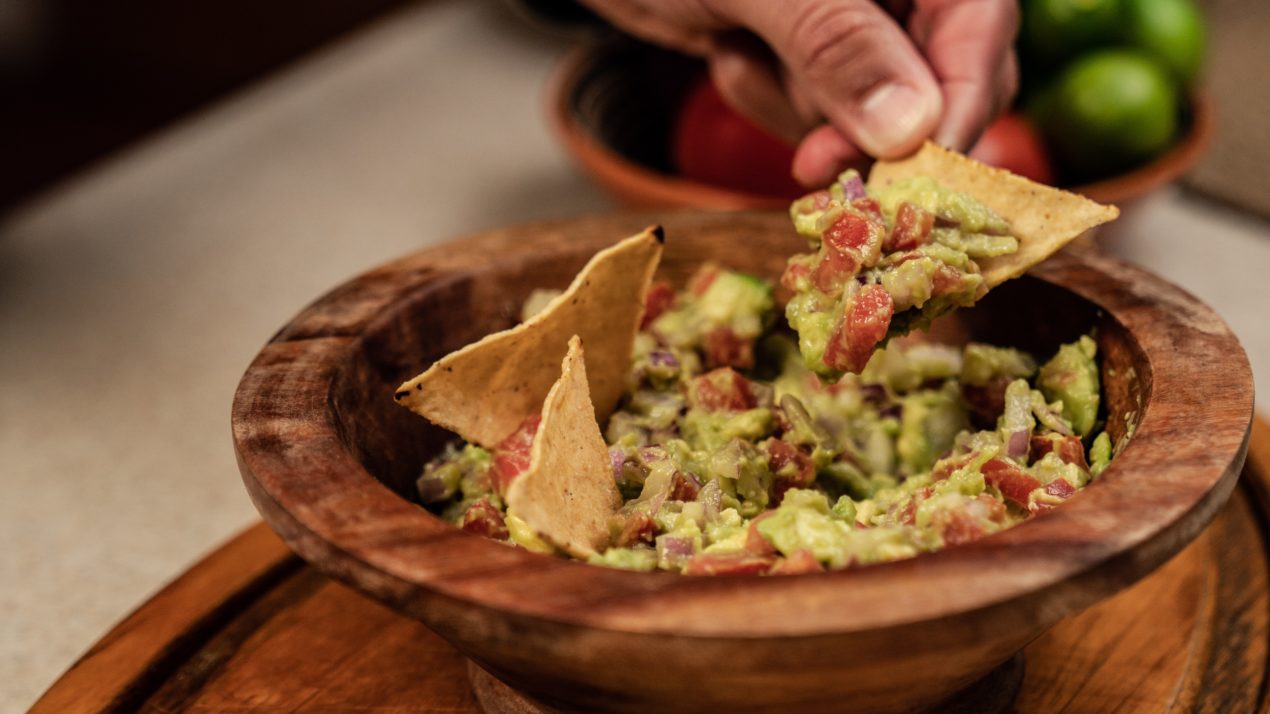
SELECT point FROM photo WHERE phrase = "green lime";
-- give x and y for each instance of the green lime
(1171, 29)
(1053, 31)
(1110, 110)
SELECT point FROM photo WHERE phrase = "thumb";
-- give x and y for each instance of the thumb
(858, 66)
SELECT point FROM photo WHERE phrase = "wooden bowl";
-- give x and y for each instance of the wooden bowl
(612, 107)
(330, 461)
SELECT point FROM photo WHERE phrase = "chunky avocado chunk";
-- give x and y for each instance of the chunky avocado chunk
(1071, 377)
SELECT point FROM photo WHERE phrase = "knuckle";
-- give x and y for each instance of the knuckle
(826, 36)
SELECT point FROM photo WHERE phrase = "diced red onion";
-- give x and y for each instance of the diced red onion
(617, 457)
(873, 393)
(1016, 420)
(1050, 419)
(433, 490)
(662, 358)
(1017, 443)
(853, 187)
(649, 454)
(675, 546)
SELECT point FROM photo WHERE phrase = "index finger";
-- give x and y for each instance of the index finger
(969, 45)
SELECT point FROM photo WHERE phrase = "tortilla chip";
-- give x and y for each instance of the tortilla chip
(1042, 218)
(485, 390)
(568, 493)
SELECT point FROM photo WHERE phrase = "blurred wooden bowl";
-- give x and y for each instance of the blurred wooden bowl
(330, 460)
(613, 107)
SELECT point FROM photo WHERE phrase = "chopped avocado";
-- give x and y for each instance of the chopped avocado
(1100, 453)
(1071, 377)
(928, 427)
(983, 363)
(525, 537)
(640, 559)
(804, 521)
(961, 210)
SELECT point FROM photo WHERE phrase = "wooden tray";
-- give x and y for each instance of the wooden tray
(252, 628)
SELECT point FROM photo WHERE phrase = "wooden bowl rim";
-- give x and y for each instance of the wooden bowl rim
(315, 493)
(647, 187)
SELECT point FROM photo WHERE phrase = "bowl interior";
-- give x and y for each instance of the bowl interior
(393, 443)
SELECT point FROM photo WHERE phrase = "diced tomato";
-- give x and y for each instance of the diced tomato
(482, 518)
(1061, 488)
(912, 228)
(958, 527)
(683, 487)
(833, 270)
(864, 324)
(791, 468)
(986, 402)
(658, 300)
(701, 280)
(1013, 482)
(755, 543)
(797, 563)
(511, 456)
(794, 272)
(947, 280)
(723, 389)
(966, 524)
(849, 234)
(1070, 450)
(857, 236)
(869, 207)
(1058, 488)
(947, 466)
(813, 202)
(725, 349)
(728, 564)
(908, 513)
(639, 528)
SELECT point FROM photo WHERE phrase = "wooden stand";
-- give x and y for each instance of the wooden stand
(252, 628)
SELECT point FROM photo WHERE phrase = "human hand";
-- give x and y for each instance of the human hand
(845, 79)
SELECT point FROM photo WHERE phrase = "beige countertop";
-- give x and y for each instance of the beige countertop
(132, 298)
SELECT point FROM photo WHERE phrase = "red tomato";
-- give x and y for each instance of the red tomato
(1012, 144)
(1014, 483)
(867, 318)
(716, 145)
(511, 455)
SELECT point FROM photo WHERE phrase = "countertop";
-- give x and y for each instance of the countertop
(133, 296)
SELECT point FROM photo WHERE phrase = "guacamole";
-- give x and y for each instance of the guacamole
(885, 262)
(733, 455)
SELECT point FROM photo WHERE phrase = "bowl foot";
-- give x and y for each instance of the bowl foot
(993, 694)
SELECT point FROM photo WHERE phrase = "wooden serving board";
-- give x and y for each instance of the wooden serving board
(252, 628)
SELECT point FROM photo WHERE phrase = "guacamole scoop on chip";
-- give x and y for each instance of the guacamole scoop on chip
(926, 235)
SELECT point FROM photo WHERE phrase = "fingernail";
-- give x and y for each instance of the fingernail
(895, 119)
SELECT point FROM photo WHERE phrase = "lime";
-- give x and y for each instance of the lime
(1053, 31)
(1108, 111)
(1173, 30)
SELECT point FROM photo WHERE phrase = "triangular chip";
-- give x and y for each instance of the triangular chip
(1042, 218)
(485, 390)
(568, 493)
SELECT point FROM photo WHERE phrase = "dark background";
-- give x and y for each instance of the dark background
(80, 78)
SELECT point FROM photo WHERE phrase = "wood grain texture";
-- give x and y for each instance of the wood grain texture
(272, 647)
(327, 457)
